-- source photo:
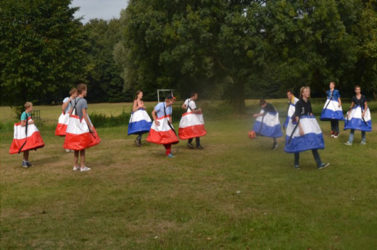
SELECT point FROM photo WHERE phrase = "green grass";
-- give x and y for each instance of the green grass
(235, 194)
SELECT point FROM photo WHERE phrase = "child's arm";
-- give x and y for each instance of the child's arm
(85, 116)
(258, 114)
(65, 104)
(155, 118)
(135, 107)
(365, 108)
(352, 105)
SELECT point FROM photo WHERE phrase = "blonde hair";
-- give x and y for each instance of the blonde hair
(28, 105)
(303, 89)
(72, 91)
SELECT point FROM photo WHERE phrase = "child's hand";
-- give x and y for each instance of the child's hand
(157, 123)
(255, 115)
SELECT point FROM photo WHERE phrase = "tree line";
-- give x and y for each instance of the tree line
(224, 49)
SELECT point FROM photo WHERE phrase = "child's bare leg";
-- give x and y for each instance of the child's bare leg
(26, 155)
(82, 158)
(76, 157)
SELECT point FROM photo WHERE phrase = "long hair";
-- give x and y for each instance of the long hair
(137, 93)
(302, 90)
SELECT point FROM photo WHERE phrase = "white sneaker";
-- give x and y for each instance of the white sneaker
(84, 169)
(67, 150)
(76, 168)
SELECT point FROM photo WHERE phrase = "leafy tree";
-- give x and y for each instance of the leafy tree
(205, 45)
(103, 74)
(41, 50)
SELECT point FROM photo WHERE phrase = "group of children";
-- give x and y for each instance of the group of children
(302, 129)
(75, 125)
(161, 130)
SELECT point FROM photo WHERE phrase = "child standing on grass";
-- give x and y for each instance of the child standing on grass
(81, 133)
(358, 117)
(162, 131)
(332, 111)
(267, 122)
(26, 136)
(64, 117)
(303, 131)
(192, 123)
(140, 122)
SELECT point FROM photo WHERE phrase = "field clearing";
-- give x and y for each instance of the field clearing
(235, 194)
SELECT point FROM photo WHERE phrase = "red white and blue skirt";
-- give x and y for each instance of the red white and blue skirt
(312, 138)
(191, 125)
(22, 141)
(140, 122)
(62, 124)
(78, 136)
(355, 120)
(268, 125)
(162, 134)
(332, 111)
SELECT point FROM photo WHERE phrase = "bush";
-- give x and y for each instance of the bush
(101, 120)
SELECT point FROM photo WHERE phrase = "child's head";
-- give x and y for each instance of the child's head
(194, 96)
(289, 94)
(82, 89)
(262, 103)
(73, 92)
(139, 95)
(305, 92)
(169, 99)
(332, 85)
(28, 106)
(357, 89)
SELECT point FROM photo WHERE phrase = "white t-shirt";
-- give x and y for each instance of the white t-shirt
(190, 104)
(69, 104)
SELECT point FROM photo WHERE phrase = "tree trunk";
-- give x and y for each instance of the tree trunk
(236, 95)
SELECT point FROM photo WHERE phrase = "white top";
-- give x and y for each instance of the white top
(69, 104)
(190, 104)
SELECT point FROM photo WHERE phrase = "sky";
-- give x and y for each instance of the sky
(104, 9)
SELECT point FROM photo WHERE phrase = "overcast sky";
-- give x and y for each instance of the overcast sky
(104, 9)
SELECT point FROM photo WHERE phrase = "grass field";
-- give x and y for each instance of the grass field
(235, 194)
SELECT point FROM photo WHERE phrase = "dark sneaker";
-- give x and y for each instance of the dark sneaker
(275, 146)
(324, 165)
(28, 164)
(190, 146)
(199, 147)
(137, 142)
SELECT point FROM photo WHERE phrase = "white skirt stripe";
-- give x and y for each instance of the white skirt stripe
(308, 124)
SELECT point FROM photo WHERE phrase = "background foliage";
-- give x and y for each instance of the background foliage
(224, 49)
